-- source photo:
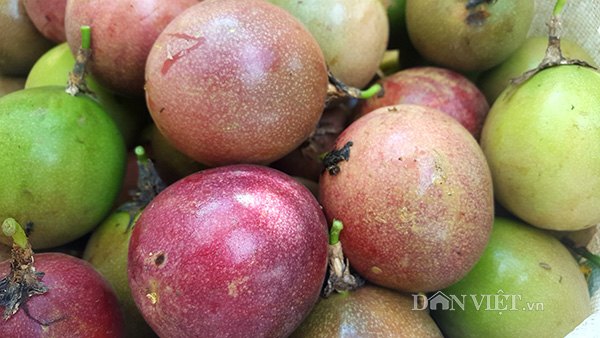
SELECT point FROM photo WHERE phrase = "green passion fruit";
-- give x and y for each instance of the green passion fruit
(542, 144)
(62, 160)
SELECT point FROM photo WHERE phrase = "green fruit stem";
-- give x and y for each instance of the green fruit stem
(77, 76)
(85, 37)
(140, 152)
(10, 227)
(559, 7)
(589, 256)
(334, 233)
(374, 89)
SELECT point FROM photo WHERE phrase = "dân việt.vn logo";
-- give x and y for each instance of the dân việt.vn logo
(485, 302)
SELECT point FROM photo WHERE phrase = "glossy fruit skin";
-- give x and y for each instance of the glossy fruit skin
(20, 42)
(493, 81)
(62, 160)
(528, 262)
(340, 26)
(415, 198)
(433, 87)
(439, 30)
(252, 96)
(122, 34)
(542, 143)
(107, 252)
(369, 311)
(232, 251)
(48, 16)
(52, 69)
(78, 294)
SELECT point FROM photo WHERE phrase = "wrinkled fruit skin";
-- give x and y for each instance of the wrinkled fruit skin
(238, 250)
(415, 198)
(251, 96)
(80, 300)
(340, 26)
(523, 266)
(443, 33)
(542, 143)
(48, 16)
(368, 311)
(62, 160)
(437, 88)
(122, 33)
(20, 42)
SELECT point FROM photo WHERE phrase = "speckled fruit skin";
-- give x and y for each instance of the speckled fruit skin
(542, 143)
(62, 160)
(122, 34)
(48, 16)
(236, 82)
(440, 32)
(369, 311)
(78, 294)
(353, 34)
(20, 42)
(434, 87)
(235, 251)
(522, 266)
(415, 198)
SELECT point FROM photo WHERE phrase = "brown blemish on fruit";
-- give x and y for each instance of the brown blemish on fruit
(160, 259)
(477, 12)
(545, 266)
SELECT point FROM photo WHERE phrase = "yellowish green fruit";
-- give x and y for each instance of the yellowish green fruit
(52, 69)
(107, 252)
(492, 82)
(542, 143)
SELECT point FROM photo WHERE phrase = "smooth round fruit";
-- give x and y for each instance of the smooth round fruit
(415, 198)
(79, 301)
(369, 311)
(122, 34)
(52, 69)
(352, 34)
(48, 16)
(107, 252)
(528, 56)
(534, 286)
(236, 82)
(238, 250)
(542, 143)
(62, 160)
(450, 35)
(434, 87)
(20, 42)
